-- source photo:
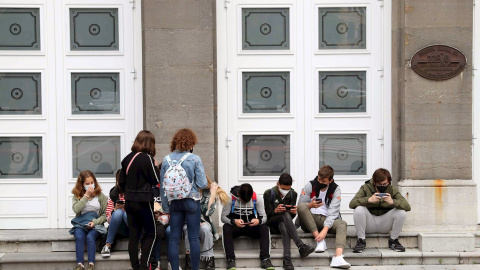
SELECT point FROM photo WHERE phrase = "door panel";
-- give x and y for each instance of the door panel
(305, 92)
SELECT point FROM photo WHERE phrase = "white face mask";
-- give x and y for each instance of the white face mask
(283, 192)
(86, 187)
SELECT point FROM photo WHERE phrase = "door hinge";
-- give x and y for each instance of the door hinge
(133, 3)
(380, 138)
(382, 2)
(227, 2)
(227, 72)
(228, 140)
(381, 71)
(134, 73)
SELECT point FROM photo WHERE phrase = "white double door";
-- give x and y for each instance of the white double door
(69, 101)
(302, 84)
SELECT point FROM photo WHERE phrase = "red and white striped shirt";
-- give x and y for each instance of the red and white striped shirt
(111, 206)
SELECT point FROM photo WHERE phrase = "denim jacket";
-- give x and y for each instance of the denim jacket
(195, 173)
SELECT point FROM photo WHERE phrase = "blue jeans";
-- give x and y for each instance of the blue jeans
(158, 242)
(90, 236)
(118, 218)
(181, 211)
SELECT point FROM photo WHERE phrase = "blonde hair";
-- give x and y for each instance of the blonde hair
(221, 194)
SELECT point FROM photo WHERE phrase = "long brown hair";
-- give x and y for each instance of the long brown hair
(78, 189)
(144, 142)
(183, 140)
(221, 194)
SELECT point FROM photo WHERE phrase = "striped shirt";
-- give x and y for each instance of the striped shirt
(111, 206)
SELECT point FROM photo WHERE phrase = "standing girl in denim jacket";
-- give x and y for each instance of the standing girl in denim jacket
(185, 209)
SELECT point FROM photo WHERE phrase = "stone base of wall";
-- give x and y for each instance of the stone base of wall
(440, 205)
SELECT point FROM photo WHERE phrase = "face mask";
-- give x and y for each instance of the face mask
(86, 187)
(191, 150)
(322, 186)
(284, 192)
(382, 189)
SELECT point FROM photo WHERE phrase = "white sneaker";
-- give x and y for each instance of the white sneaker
(321, 247)
(105, 252)
(339, 262)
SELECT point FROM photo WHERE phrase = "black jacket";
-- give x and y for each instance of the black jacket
(140, 179)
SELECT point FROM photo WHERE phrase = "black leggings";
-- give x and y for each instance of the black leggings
(287, 229)
(140, 219)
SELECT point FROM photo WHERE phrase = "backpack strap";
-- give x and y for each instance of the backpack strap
(254, 198)
(169, 160)
(183, 158)
(130, 163)
(233, 204)
(272, 196)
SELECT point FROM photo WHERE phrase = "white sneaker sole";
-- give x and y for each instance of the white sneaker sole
(341, 266)
(105, 255)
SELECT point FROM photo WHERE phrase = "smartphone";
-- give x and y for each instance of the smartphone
(382, 195)
(247, 223)
(288, 207)
(120, 202)
(318, 200)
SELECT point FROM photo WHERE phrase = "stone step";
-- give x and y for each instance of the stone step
(248, 259)
(59, 240)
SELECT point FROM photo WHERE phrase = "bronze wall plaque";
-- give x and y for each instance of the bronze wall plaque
(438, 62)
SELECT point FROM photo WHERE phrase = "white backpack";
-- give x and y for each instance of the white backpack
(176, 184)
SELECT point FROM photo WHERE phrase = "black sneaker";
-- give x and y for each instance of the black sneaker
(231, 265)
(305, 250)
(210, 264)
(267, 264)
(395, 245)
(287, 264)
(188, 263)
(360, 246)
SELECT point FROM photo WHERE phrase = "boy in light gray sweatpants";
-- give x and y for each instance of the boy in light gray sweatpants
(379, 208)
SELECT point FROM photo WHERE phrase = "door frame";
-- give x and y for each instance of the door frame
(476, 101)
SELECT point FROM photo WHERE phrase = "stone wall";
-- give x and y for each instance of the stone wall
(433, 119)
(179, 73)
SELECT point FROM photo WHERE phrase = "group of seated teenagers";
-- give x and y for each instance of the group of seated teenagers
(379, 208)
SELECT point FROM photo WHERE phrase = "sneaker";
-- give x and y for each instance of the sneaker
(267, 264)
(339, 262)
(305, 250)
(321, 247)
(210, 263)
(91, 266)
(158, 268)
(287, 264)
(79, 267)
(395, 245)
(360, 246)
(188, 264)
(231, 265)
(105, 251)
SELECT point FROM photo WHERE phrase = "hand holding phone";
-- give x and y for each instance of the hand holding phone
(382, 195)
(288, 207)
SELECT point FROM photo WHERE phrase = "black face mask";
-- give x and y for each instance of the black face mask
(382, 189)
(322, 186)
(191, 150)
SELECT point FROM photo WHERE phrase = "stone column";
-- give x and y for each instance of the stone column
(179, 80)
(433, 119)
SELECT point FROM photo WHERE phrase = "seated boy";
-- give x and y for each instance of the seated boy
(245, 215)
(379, 208)
(280, 206)
(319, 213)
